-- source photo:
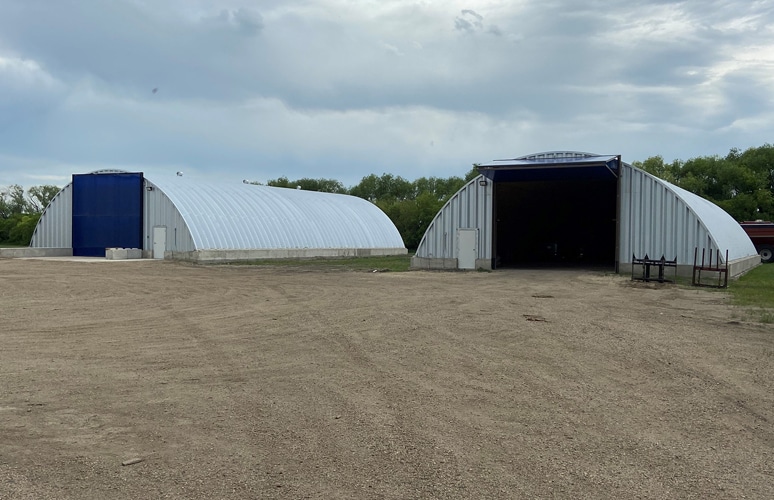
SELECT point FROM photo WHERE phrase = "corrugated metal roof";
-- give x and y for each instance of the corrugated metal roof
(723, 228)
(550, 167)
(224, 216)
(540, 161)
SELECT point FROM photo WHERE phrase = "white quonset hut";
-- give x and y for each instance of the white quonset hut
(181, 218)
(571, 208)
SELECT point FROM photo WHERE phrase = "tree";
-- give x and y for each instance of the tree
(440, 189)
(655, 165)
(13, 201)
(21, 233)
(307, 184)
(38, 197)
(742, 183)
(387, 186)
(472, 174)
(411, 217)
(761, 161)
(410, 205)
(20, 211)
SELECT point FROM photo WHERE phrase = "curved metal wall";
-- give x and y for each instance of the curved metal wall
(160, 211)
(55, 227)
(470, 207)
(658, 218)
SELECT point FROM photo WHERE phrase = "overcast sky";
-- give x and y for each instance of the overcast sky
(258, 89)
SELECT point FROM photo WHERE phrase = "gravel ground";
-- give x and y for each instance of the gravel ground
(268, 382)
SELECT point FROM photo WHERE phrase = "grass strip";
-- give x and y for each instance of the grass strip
(755, 290)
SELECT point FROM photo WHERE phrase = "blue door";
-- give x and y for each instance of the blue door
(107, 212)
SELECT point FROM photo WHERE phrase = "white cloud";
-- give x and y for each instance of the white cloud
(392, 49)
(23, 82)
(24, 72)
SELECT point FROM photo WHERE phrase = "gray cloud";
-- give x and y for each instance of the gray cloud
(462, 24)
(471, 21)
(239, 20)
(474, 14)
(494, 30)
(249, 23)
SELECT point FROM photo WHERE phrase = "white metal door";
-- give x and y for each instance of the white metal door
(467, 248)
(159, 242)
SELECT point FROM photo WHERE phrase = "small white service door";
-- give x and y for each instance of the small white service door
(159, 242)
(467, 248)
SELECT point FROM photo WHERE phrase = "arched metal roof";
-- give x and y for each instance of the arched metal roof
(726, 232)
(224, 216)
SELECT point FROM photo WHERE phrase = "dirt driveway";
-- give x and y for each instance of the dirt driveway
(246, 382)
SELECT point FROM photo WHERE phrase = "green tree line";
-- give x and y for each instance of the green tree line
(411, 205)
(742, 183)
(20, 211)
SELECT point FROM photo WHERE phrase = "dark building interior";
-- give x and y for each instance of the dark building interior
(560, 222)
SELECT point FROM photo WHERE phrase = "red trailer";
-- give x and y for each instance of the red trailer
(762, 235)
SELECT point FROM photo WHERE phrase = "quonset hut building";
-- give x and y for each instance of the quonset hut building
(571, 208)
(180, 218)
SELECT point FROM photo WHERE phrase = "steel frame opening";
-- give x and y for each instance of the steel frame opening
(558, 223)
(555, 211)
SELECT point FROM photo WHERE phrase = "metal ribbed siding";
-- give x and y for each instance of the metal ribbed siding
(470, 207)
(724, 229)
(160, 211)
(658, 218)
(240, 216)
(55, 227)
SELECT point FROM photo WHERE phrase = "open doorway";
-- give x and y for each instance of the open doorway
(556, 222)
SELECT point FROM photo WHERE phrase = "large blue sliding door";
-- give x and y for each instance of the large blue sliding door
(107, 212)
